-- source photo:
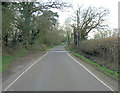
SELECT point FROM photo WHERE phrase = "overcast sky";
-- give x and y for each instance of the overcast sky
(112, 5)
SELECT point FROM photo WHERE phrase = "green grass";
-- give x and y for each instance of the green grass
(109, 72)
(62, 44)
(6, 59)
(66, 47)
(49, 47)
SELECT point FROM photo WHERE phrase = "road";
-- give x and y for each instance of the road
(56, 71)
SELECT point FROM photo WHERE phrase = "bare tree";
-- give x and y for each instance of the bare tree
(89, 19)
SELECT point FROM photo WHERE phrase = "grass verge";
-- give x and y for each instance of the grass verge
(50, 47)
(6, 59)
(109, 72)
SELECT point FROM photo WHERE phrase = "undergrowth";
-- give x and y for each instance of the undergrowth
(109, 72)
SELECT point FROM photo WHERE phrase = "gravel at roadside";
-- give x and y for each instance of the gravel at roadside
(20, 63)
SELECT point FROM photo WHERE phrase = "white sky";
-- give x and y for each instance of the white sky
(112, 5)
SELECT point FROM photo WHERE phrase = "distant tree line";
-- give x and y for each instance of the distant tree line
(105, 34)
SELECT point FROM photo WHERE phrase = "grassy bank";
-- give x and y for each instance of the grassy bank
(109, 72)
(7, 58)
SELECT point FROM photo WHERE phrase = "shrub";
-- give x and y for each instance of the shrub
(106, 49)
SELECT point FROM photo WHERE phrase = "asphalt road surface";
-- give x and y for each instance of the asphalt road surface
(56, 71)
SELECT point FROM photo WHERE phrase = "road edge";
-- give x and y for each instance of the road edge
(24, 72)
(71, 56)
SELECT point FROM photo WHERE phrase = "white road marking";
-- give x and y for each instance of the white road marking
(24, 72)
(11, 90)
(91, 73)
(44, 56)
(57, 51)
